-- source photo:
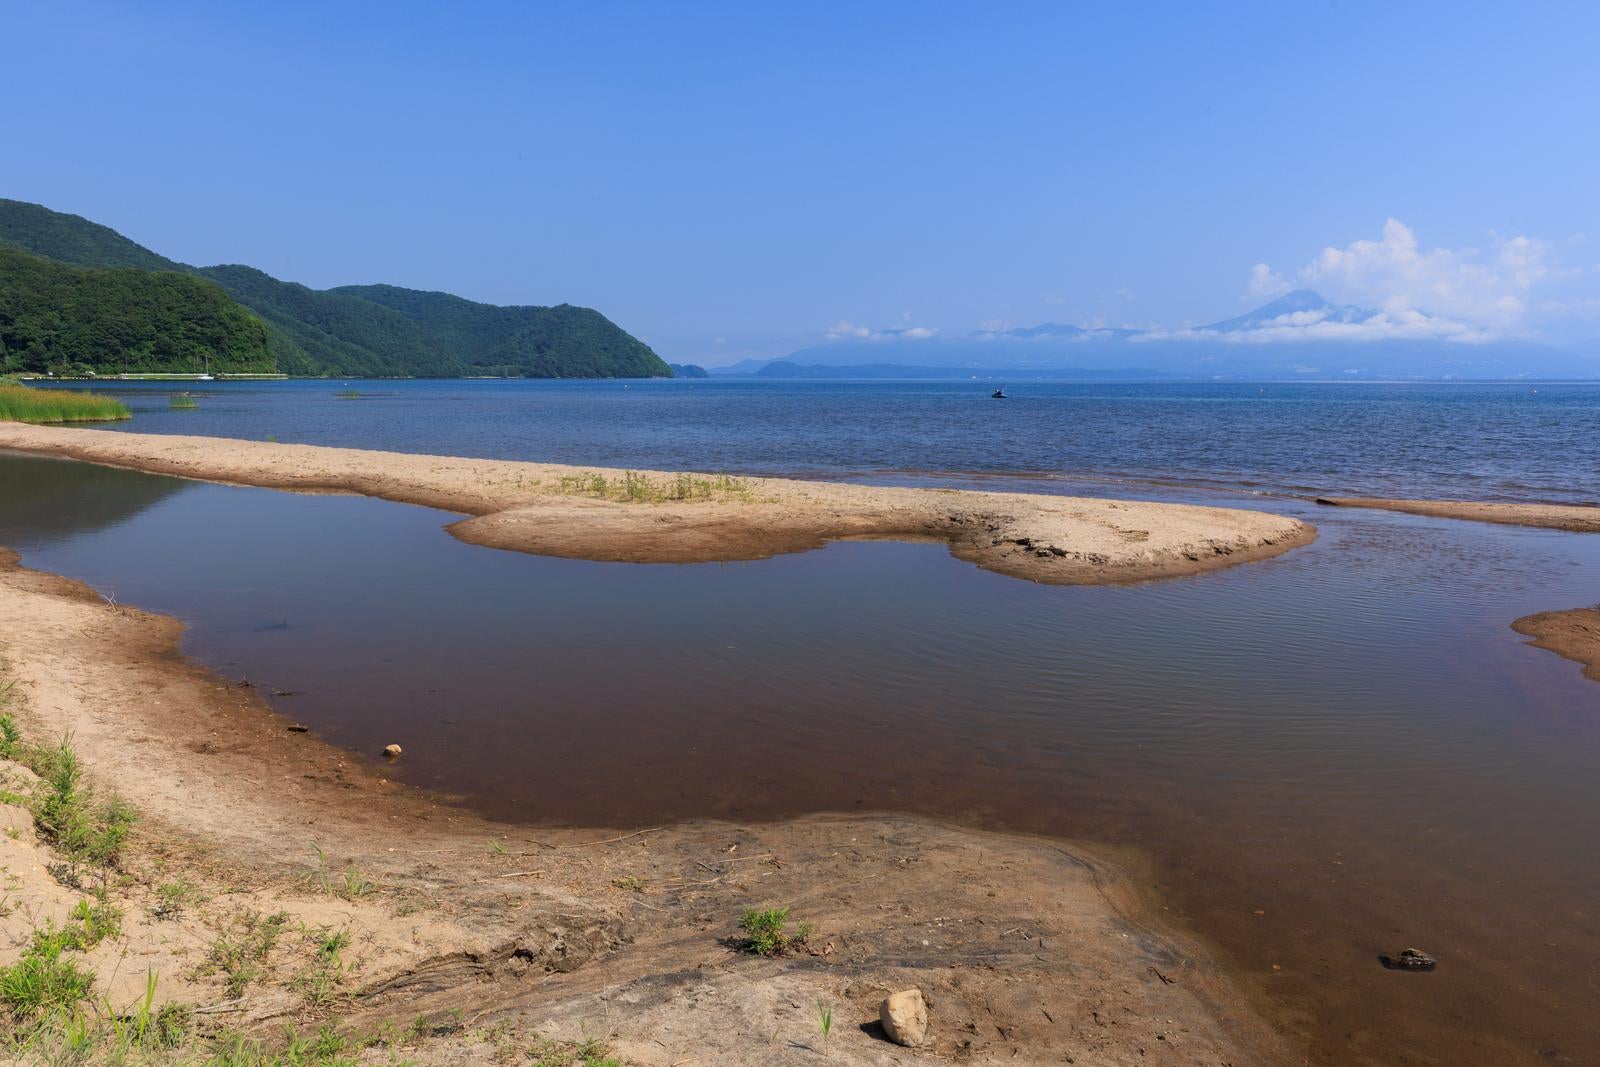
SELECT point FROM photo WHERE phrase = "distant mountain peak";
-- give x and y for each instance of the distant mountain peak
(1299, 302)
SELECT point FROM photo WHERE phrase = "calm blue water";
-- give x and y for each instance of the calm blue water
(1483, 441)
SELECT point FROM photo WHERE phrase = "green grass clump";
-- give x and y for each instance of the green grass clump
(767, 931)
(183, 402)
(349, 883)
(348, 394)
(41, 982)
(590, 1052)
(19, 403)
(83, 828)
(240, 951)
(320, 982)
(172, 898)
(91, 923)
(43, 989)
(10, 735)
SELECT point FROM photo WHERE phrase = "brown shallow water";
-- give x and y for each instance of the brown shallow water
(1319, 758)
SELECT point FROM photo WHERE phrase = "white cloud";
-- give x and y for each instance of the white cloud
(849, 331)
(1266, 283)
(1397, 275)
(1320, 325)
(843, 329)
(1466, 294)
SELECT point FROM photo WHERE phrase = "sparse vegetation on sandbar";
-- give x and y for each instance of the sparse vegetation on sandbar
(19, 403)
(637, 488)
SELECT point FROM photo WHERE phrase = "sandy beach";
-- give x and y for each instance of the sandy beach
(1028, 951)
(671, 517)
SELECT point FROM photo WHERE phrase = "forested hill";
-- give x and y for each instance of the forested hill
(326, 333)
(378, 331)
(109, 320)
(72, 239)
(535, 342)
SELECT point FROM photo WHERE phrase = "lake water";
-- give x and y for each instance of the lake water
(1484, 441)
(1336, 753)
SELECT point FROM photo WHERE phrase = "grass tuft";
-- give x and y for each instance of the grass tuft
(320, 982)
(349, 883)
(238, 953)
(635, 488)
(183, 402)
(590, 1052)
(42, 983)
(19, 403)
(10, 735)
(70, 817)
(767, 931)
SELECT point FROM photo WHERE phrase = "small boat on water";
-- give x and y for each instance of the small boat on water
(998, 394)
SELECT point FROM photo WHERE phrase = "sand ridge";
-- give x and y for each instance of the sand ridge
(673, 517)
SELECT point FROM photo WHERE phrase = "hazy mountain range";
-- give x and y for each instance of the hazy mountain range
(1298, 335)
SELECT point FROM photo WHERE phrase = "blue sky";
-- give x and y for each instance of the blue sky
(729, 180)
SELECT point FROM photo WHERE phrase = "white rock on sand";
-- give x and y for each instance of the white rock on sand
(904, 1016)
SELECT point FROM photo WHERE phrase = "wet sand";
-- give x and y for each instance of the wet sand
(1572, 518)
(1573, 635)
(1028, 951)
(670, 517)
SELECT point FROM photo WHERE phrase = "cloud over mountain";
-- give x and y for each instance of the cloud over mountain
(843, 330)
(1466, 294)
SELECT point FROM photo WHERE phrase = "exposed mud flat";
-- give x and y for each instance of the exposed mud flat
(1028, 951)
(674, 517)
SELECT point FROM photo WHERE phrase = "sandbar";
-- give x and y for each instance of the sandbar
(1576, 518)
(1573, 634)
(678, 517)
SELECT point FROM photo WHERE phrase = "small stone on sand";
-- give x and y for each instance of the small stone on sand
(904, 1016)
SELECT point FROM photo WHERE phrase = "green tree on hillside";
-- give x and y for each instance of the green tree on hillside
(121, 319)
